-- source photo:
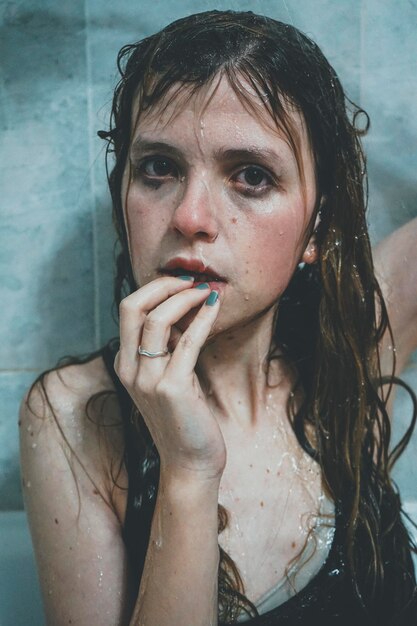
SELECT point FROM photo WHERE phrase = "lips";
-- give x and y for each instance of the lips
(192, 267)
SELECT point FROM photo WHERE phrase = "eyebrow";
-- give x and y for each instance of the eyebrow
(251, 153)
(140, 146)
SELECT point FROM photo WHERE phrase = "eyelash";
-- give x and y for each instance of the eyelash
(155, 181)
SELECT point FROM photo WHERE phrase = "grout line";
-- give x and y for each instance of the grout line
(362, 62)
(91, 167)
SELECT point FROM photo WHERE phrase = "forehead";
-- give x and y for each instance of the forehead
(217, 104)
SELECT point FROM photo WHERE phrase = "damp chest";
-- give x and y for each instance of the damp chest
(275, 514)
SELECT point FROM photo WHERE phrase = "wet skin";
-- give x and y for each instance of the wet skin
(210, 181)
(213, 182)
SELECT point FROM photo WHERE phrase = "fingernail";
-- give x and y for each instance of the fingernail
(212, 299)
(203, 286)
(188, 277)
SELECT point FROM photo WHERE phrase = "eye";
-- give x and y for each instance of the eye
(158, 166)
(153, 170)
(253, 179)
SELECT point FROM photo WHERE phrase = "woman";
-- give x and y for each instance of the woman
(228, 460)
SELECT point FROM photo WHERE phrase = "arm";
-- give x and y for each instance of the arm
(179, 583)
(396, 271)
(76, 527)
(81, 559)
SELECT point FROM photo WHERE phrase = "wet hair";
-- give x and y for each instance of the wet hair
(332, 316)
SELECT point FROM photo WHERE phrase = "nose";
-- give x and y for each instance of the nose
(194, 215)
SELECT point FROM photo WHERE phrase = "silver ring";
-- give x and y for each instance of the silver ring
(152, 355)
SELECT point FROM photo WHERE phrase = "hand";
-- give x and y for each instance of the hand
(166, 389)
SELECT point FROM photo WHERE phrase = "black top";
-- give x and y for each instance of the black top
(329, 599)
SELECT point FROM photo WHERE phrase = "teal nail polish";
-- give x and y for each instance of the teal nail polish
(186, 277)
(203, 286)
(212, 299)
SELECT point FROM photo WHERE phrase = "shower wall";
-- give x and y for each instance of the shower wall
(56, 240)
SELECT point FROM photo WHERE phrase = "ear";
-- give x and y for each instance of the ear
(310, 254)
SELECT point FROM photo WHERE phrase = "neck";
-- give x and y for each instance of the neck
(238, 379)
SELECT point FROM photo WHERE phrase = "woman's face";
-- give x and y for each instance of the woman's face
(210, 182)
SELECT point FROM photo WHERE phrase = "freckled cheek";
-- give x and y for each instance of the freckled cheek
(144, 220)
(144, 234)
(273, 254)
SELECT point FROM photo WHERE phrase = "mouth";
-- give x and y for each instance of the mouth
(194, 268)
(198, 276)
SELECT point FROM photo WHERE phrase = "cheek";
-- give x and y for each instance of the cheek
(144, 232)
(274, 251)
(143, 220)
(138, 215)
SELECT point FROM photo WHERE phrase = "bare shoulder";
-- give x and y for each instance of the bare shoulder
(396, 271)
(76, 409)
(74, 485)
(68, 388)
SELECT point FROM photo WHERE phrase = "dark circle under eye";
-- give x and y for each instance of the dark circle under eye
(254, 176)
(161, 167)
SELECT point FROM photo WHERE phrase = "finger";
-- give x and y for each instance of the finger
(174, 338)
(184, 358)
(158, 323)
(134, 308)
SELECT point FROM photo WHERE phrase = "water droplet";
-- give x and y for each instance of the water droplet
(34, 445)
(137, 501)
(151, 490)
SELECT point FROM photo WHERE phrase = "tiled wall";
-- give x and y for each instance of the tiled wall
(58, 71)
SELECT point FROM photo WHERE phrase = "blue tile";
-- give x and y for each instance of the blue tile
(49, 288)
(389, 91)
(105, 272)
(13, 385)
(20, 598)
(46, 243)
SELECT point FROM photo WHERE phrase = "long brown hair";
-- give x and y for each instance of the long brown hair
(332, 317)
(327, 320)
